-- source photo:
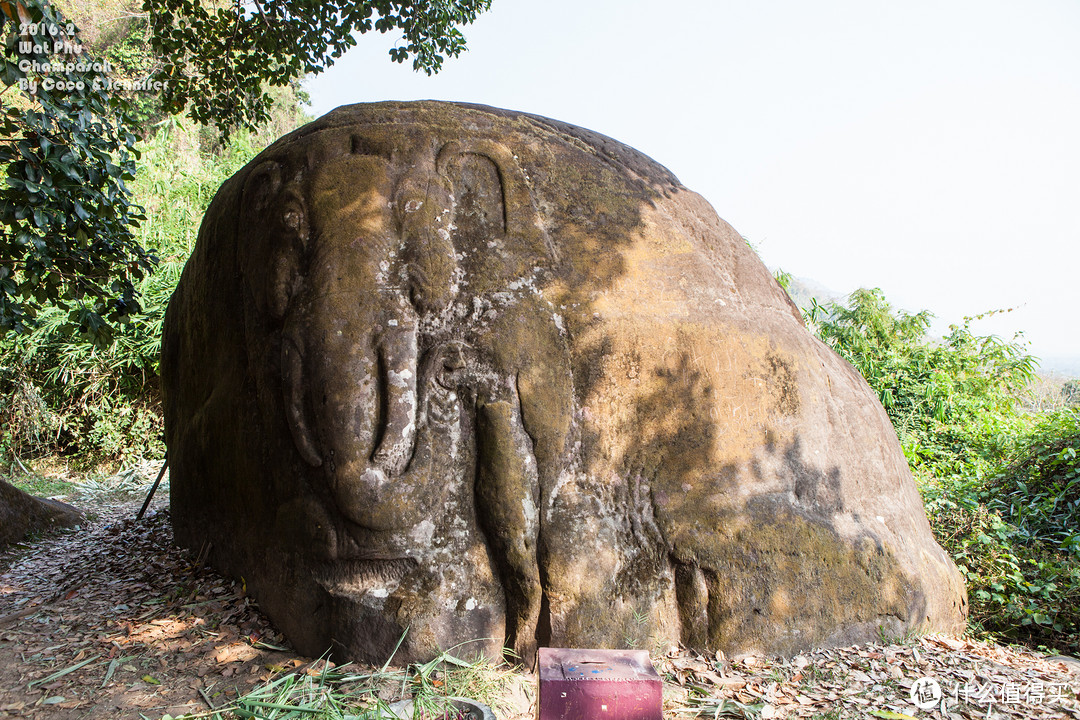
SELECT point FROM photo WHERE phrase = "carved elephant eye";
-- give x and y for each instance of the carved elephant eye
(292, 217)
(276, 217)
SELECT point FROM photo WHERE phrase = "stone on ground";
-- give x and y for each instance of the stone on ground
(22, 514)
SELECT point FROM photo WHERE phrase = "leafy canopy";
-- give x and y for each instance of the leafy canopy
(66, 217)
(219, 57)
(101, 406)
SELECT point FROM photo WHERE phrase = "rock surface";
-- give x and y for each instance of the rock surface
(22, 514)
(464, 374)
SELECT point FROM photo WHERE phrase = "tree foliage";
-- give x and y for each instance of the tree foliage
(219, 57)
(66, 217)
(1015, 535)
(100, 405)
(1002, 488)
(67, 136)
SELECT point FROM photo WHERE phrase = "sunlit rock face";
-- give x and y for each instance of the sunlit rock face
(456, 373)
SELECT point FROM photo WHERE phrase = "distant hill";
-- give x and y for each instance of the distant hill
(802, 290)
(1068, 367)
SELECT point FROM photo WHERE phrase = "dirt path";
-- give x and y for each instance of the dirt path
(149, 630)
(113, 621)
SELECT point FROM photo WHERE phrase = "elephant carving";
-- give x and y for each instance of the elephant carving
(440, 373)
(391, 357)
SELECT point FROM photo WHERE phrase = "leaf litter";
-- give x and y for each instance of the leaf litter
(973, 679)
(114, 621)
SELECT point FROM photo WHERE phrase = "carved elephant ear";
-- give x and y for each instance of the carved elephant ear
(493, 203)
(276, 220)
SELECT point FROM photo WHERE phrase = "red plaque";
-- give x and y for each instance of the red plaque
(598, 685)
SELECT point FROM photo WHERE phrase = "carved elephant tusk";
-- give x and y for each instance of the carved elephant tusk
(398, 397)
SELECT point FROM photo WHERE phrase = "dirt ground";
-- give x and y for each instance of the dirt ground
(149, 630)
(113, 621)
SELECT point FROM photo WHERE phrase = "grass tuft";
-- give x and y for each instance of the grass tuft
(324, 691)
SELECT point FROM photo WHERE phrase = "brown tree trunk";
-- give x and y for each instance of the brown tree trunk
(22, 514)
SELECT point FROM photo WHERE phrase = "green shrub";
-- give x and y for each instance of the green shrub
(95, 402)
(952, 401)
(1016, 539)
(61, 394)
(1015, 536)
(1039, 490)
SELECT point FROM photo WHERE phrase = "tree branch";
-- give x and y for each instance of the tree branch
(262, 15)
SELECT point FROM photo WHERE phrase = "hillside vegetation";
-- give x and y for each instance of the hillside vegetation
(59, 393)
(63, 392)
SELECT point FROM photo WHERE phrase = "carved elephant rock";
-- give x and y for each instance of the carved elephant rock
(452, 373)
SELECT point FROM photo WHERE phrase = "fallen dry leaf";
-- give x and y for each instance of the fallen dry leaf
(236, 652)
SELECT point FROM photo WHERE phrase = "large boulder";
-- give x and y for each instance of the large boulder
(456, 373)
(22, 514)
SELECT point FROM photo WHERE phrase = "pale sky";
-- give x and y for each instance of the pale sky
(930, 148)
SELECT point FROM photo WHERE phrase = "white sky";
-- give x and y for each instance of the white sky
(927, 147)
